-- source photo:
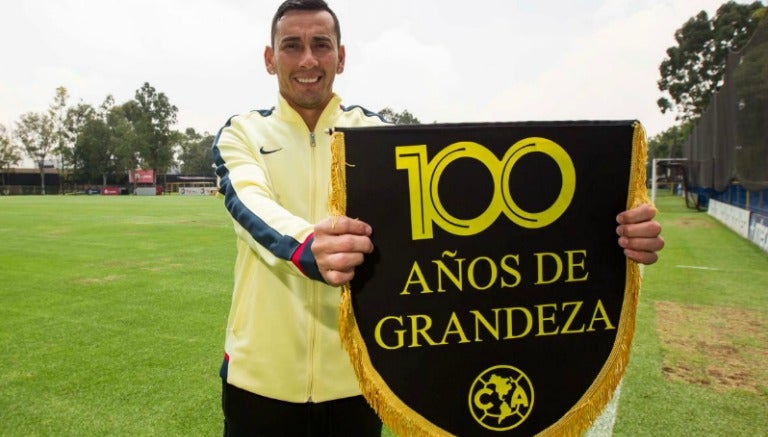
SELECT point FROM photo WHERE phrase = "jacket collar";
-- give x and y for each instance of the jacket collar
(329, 114)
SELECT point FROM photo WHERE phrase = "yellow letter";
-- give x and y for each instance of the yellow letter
(441, 267)
(471, 273)
(457, 330)
(572, 264)
(506, 267)
(416, 330)
(604, 317)
(528, 322)
(399, 332)
(493, 330)
(519, 397)
(416, 270)
(566, 327)
(540, 267)
(550, 318)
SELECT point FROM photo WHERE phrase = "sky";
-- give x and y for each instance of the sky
(442, 60)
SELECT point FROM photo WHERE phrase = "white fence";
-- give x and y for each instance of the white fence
(751, 226)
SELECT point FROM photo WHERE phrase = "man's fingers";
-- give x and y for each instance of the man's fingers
(647, 229)
(639, 214)
(339, 268)
(642, 244)
(343, 225)
(337, 277)
(337, 244)
(641, 257)
(343, 262)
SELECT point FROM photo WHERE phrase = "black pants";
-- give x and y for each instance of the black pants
(248, 414)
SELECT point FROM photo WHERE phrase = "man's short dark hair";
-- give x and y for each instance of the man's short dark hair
(304, 5)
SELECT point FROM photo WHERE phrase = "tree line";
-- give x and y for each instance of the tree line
(93, 144)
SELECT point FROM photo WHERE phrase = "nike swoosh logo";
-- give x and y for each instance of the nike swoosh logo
(267, 152)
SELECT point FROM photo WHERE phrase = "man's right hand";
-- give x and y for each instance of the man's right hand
(339, 247)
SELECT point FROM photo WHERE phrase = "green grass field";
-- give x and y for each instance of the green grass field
(699, 363)
(112, 316)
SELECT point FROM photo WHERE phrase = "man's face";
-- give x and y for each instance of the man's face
(306, 58)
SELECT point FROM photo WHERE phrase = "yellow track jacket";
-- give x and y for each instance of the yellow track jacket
(282, 338)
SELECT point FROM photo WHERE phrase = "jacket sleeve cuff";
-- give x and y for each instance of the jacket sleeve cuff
(304, 259)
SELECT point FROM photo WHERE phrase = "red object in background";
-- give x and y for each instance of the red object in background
(110, 191)
(141, 176)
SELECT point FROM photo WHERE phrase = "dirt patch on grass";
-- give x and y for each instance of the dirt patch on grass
(716, 347)
(102, 280)
(691, 222)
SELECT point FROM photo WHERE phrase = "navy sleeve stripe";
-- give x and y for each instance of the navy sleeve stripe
(282, 246)
(217, 156)
(366, 112)
(308, 262)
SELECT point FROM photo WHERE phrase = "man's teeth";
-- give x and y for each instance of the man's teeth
(308, 80)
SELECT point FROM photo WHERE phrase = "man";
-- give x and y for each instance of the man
(285, 371)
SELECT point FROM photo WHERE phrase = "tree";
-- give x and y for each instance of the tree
(10, 154)
(57, 111)
(669, 144)
(153, 124)
(404, 117)
(106, 141)
(693, 69)
(35, 132)
(125, 120)
(122, 138)
(195, 157)
(94, 146)
(77, 117)
(91, 150)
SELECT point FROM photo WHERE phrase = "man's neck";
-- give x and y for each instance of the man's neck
(310, 115)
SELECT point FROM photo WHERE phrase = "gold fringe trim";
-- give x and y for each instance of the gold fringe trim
(402, 420)
(638, 193)
(337, 198)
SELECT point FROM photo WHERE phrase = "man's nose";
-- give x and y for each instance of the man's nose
(308, 59)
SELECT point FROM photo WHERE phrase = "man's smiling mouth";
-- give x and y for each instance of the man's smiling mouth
(308, 80)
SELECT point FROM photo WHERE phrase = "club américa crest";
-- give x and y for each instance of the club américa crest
(501, 398)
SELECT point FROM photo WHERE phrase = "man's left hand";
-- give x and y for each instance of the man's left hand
(639, 234)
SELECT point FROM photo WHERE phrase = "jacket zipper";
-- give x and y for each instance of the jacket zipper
(313, 291)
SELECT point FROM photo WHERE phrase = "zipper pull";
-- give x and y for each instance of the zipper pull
(312, 139)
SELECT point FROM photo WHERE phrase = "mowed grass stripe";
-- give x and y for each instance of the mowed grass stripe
(652, 401)
(112, 313)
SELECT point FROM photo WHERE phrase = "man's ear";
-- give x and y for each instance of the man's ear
(269, 59)
(342, 59)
